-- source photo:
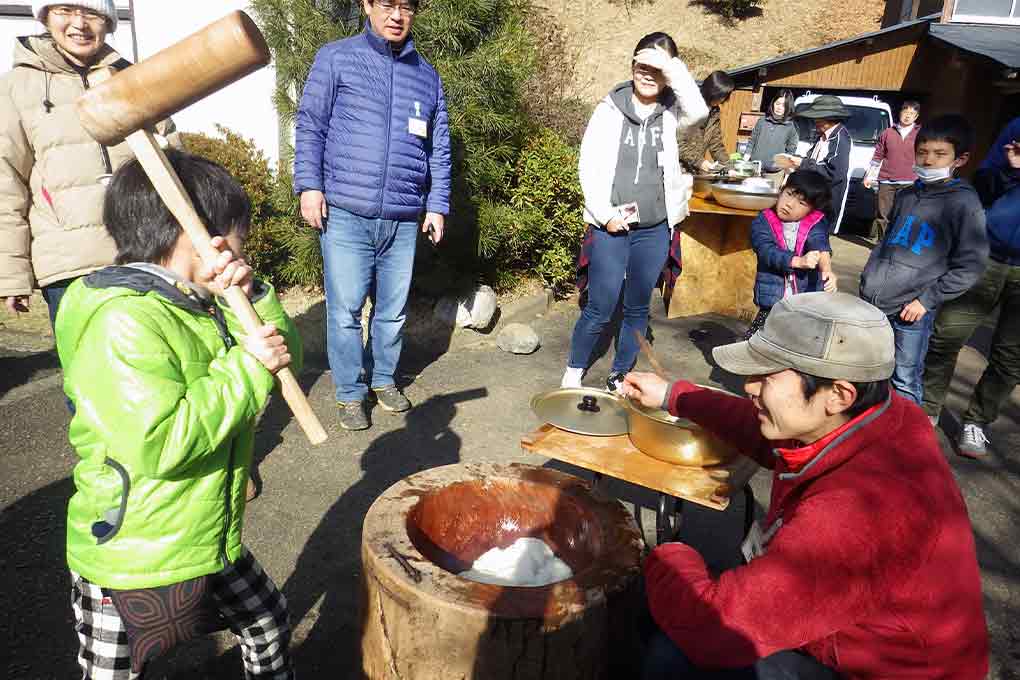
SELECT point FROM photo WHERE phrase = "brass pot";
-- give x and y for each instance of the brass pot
(679, 441)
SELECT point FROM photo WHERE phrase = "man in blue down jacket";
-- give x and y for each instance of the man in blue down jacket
(372, 153)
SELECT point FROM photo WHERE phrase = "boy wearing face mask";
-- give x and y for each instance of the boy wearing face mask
(936, 247)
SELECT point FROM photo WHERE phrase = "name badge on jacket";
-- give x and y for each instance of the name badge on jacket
(416, 125)
(756, 541)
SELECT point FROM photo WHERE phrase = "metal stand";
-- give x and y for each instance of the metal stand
(667, 519)
(748, 508)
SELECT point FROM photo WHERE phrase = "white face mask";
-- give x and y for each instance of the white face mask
(932, 174)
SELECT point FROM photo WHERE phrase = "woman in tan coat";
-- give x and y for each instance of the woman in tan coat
(52, 173)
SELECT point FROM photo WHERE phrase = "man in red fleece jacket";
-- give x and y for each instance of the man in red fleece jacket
(865, 565)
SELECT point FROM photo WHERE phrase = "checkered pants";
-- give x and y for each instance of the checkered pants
(251, 604)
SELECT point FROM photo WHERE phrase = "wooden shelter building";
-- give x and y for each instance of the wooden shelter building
(953, 62)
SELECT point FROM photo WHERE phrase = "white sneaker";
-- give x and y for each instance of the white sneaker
(972, 441)
(572, 377)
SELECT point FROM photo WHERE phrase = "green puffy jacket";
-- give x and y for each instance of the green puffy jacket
(166, 402)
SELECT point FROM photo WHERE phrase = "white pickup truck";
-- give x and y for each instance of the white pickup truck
(869, 118)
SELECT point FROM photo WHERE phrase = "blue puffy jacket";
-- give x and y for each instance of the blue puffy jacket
(353, 134)
(998, 185)
(1002, 219)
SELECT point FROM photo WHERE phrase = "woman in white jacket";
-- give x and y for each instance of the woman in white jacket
(635, 193)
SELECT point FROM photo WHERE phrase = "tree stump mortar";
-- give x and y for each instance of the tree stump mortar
(422, 621)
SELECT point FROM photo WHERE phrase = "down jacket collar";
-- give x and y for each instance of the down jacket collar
(145, 278)
(382, 46)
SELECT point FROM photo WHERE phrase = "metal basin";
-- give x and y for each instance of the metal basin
(743, 197)
(662, 436)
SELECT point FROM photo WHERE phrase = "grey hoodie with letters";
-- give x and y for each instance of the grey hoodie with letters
(638, 175)
(936, 248)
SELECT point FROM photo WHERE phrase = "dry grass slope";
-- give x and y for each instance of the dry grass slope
(602, 33)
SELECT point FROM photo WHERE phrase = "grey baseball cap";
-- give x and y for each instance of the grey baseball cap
(828, 335)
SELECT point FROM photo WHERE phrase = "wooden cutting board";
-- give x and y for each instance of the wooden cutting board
(712, 487)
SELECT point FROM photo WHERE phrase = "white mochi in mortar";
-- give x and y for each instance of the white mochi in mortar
(525, 562)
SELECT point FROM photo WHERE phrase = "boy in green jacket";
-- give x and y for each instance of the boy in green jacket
(167, 389)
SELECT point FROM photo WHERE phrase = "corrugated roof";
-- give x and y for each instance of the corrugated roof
(815, 50)
(995, 41)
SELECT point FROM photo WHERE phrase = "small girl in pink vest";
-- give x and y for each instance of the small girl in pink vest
(792, 245)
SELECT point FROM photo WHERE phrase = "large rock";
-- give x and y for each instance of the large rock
(518, 338)
(472, 311)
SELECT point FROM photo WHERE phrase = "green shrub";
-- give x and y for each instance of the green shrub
(731, 10)
(279, 247)
(738, 9)
(243, 159)
(538, 226)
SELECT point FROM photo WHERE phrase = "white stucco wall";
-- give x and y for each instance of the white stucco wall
(245, 107)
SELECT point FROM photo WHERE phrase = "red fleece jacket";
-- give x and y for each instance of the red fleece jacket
(872, 569)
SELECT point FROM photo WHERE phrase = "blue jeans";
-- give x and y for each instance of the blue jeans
(53, 293)
(665, 661)
(911, 348)
(360, 257)
(631, 261)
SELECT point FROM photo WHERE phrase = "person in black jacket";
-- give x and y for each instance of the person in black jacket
(935, 250)
(998, 184)
(830, 155)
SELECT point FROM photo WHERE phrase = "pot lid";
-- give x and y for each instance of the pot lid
(582, 410)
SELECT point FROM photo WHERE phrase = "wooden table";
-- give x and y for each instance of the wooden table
(718, 263)
(711, 487)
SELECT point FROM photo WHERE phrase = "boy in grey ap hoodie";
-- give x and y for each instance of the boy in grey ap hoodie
(936, 248)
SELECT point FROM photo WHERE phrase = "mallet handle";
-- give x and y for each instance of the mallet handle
(170, 189)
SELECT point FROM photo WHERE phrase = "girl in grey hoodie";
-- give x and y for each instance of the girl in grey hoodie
(635, 193)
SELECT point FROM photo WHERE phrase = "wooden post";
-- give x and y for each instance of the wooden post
(948, 7)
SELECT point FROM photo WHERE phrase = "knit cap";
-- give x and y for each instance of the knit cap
(104, 7)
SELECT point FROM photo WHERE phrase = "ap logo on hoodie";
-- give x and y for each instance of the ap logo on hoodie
(924, 238)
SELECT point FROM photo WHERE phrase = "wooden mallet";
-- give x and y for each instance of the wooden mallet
(126, 106)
